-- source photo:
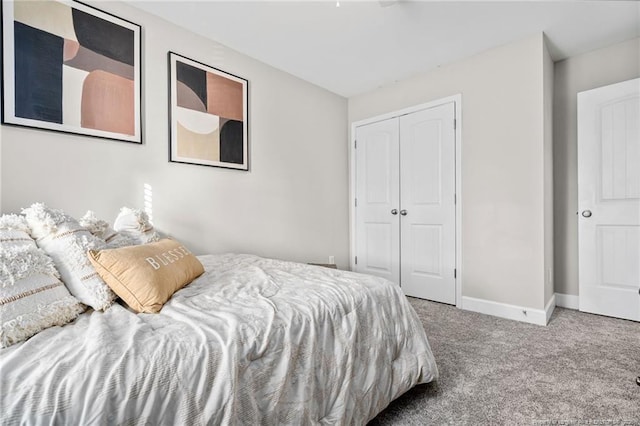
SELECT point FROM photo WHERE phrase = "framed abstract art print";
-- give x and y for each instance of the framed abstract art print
(72, 68)
(207, 115)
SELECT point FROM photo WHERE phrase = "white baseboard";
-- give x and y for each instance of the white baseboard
(568, 301)
(551, 306)
(512, 312)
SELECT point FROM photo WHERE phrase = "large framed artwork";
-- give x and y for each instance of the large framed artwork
(72, 68)
(207, 115)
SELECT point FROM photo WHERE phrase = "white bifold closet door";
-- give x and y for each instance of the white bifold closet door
(377, 196)
(609, 200)
(427, 191)
(405, 192)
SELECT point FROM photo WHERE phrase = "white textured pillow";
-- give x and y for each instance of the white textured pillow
(62, 238)
(32, 297)
(101, 229)
(14, 232)
(135, 224)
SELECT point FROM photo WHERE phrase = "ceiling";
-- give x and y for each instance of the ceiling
(362, 45)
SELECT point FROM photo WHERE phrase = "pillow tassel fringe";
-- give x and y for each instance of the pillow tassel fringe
(59, 313)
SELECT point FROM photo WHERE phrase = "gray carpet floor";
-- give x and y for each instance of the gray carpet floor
(581, 369)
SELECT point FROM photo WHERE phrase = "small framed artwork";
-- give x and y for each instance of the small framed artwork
(207, 115)
(71, 68)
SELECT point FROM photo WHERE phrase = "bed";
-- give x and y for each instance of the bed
(251, 341)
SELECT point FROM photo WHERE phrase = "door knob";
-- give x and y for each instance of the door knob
(403, 212)
(394, 211)
(586, 213)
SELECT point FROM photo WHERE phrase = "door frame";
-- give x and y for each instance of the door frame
(457, 100)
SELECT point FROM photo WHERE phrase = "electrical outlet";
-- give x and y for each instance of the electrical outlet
(332, 260)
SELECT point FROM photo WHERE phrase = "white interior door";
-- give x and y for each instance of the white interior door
(427, 191)
(377, 198)
(609, 200)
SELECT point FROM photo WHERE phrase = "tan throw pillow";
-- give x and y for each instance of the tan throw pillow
(147, 275)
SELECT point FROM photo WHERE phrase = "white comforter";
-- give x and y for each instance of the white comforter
(252, 341)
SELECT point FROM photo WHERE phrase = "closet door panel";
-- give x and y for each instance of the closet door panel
(427, 187)
(377, 195)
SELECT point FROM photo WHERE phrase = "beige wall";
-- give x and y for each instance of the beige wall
(291, 205)
(601, 67)
(503, 257)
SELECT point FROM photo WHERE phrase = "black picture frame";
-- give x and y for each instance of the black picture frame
(208, 115)
(72, 68)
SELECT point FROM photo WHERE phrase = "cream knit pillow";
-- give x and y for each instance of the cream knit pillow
(62, 238)
(14, 232)
(32, 297)
(135, 224)
(101, 229)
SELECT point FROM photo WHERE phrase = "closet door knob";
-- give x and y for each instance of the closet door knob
(403, 212)
(394, 211)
